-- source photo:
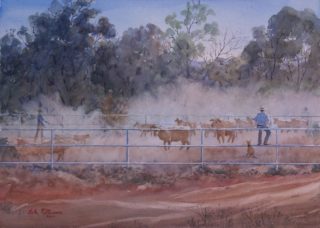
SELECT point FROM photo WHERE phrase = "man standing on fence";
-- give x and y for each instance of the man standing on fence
(40, 126)
(262, 122)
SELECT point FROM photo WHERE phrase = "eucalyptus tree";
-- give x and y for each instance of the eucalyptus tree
(11, 71)
(288, 50)
(188, 34)
(136, 63)
(56, 54)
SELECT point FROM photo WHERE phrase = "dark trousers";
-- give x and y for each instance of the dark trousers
(39, 130)
(266, 138)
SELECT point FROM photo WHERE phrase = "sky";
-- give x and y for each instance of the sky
(235, 16)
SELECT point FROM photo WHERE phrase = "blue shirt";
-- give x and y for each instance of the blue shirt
(261, 119)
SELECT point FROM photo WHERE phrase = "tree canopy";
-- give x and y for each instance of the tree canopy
(71, 51)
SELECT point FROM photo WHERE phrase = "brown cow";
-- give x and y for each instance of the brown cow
(21, 141)
(296, 123)
(248, 123)
(146, 128)
(81, 138)
(41, 152)
(217, 123)
(282, 123)
(293, 123)
(183, 123)
(62, 139)
(207, 130)
(168, 136)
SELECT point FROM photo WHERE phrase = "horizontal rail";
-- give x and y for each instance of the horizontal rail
(152, 146)
(159, 163)
(166, 129)
(152, 115)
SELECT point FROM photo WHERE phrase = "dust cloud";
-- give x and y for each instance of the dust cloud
(190, 101)
(196, 101)
(186, 100)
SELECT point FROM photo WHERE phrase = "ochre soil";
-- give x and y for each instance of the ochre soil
(59, 199)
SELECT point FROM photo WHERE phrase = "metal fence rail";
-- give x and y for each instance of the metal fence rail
(25, 120)
(131, 144)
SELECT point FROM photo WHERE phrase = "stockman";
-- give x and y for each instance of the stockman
(40, 126)
(262, 122)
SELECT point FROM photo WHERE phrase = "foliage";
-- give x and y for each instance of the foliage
(71, 51)
(188, 34)
(287, 50)
(56, 56)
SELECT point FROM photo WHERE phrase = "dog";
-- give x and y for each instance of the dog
(81, 138)
(250, 150)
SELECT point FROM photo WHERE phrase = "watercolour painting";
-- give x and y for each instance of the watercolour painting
(159, 113)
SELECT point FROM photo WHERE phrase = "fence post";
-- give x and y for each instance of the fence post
(201, 146)
(277, 151)
(51, 141)
(127, 147)
(20, 125)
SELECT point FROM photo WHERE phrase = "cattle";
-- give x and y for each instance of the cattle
(146, 128)
(282, 124)
(293, 123)
(21, 141)
(296, 123)
(250, 150)
(169, 136)
(248, 123)
(224, 123)
(61, 139)
(81, 138)
(207, 130)
(217, 123)
(183, 123)
(60, 152)
(41, 152)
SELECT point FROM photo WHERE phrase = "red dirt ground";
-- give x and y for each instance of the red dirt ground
(59, 199)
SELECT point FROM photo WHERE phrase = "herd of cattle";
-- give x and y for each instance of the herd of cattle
(23, 149)
(222, 130)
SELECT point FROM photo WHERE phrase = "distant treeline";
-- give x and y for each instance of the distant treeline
(72, 51)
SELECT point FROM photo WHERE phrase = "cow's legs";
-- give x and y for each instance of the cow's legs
(188, 143)
(222, 135)
(218, 137)
(169, 143)
(164, 143)
(233, 138)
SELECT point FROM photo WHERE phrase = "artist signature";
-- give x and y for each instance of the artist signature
(43, 212)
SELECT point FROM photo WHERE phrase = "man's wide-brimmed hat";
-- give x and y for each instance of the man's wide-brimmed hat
(261, 108)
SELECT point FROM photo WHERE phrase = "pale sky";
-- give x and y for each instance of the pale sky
(237, 16)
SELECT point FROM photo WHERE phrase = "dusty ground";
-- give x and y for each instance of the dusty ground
(142, 197)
